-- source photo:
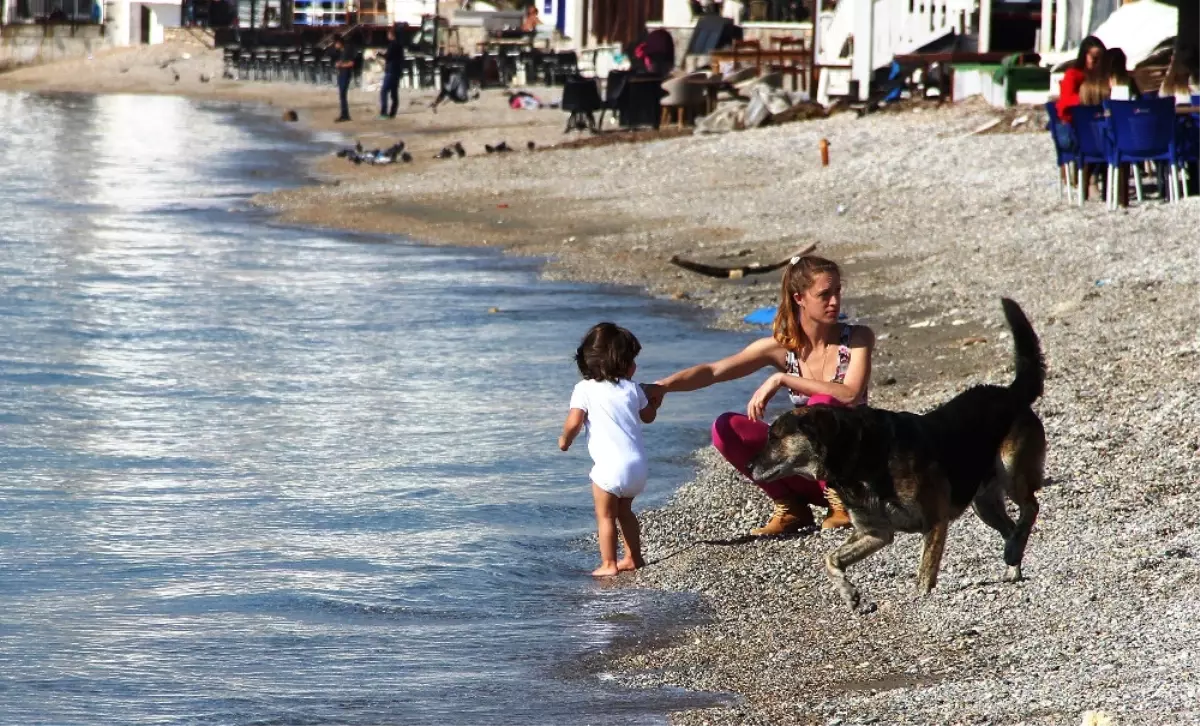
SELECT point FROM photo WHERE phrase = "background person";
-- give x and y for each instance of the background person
(345, 72)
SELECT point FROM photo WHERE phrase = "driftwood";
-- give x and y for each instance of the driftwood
(734, 273)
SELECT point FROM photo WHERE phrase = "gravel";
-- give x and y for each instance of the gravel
(935, 224)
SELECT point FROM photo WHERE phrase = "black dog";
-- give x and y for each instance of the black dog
(903, 472)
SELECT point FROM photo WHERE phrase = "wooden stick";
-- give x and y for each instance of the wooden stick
(733, 273)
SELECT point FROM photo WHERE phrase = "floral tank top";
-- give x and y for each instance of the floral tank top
(839, 375)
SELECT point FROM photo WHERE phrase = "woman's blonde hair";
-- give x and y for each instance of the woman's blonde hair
(798, 277)
(1095, 90)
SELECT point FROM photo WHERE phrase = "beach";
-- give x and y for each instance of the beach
(932, 224)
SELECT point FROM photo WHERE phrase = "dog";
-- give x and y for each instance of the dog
(904, 472)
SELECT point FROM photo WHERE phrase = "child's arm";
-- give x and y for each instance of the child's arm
(571, 427)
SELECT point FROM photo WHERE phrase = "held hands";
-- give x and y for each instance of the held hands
(758, 402)
(654, 394)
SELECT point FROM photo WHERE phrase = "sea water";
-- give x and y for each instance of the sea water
(260, 474)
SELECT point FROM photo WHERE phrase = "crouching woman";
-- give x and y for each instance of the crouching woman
(819, 360)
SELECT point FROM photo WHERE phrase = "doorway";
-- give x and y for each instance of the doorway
(145, 29)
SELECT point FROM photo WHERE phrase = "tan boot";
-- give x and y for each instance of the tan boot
(791, 515)
(837, 517)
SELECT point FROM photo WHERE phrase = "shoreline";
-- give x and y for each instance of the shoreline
(933, 224)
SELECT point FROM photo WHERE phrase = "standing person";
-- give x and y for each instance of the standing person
(614, 408)
(393, 68)
(345, 72)
(820, 361)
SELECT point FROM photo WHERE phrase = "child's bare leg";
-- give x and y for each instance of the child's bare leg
(606, 531)
(631, 532)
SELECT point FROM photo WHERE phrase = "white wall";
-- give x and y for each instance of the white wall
(163, 15)
(125, 21)
(410, 11)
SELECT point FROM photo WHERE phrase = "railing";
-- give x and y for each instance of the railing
(66, 12)
(903, 26)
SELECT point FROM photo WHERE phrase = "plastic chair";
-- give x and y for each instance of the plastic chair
(683, 93)
(1064, 155)
(1091, 145)
(1144, 131)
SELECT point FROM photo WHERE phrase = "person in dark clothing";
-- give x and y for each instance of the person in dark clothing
(659, 52)
(345, 72)
(393, 68)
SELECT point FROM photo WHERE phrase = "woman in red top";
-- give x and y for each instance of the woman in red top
(1091, 54)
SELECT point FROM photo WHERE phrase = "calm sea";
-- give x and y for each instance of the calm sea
(258, 474)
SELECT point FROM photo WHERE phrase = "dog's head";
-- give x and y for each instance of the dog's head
(799, 442)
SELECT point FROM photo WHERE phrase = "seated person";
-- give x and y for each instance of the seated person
(1118, 74)
(660, 52)
(1088, 62)
(529, 24)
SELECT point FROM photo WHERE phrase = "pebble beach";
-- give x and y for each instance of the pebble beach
(932, 221)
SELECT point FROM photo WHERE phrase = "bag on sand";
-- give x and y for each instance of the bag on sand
(456, 88)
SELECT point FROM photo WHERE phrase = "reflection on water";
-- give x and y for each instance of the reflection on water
(258, 474)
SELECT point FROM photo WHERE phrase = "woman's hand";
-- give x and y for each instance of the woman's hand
(764, 394)
(654, 393)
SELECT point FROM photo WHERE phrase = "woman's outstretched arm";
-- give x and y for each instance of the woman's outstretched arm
(762, 352)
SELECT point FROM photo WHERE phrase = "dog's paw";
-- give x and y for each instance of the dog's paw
(850, 594)
(1013, 574)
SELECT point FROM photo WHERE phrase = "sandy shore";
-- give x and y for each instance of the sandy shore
(933, 224)
(195, 71)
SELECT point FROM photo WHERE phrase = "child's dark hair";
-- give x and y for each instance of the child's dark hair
(607, 352)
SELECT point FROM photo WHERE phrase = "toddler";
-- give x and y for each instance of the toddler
(614, 409)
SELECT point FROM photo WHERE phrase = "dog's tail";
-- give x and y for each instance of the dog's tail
(1031, 366)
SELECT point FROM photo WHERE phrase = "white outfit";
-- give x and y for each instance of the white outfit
(614, 434)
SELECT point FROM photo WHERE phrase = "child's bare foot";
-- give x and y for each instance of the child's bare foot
(605, 571)
(627, 564)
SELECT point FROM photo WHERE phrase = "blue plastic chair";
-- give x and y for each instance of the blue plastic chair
(1092, 144)
(1064, 155)
(1144, 131)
